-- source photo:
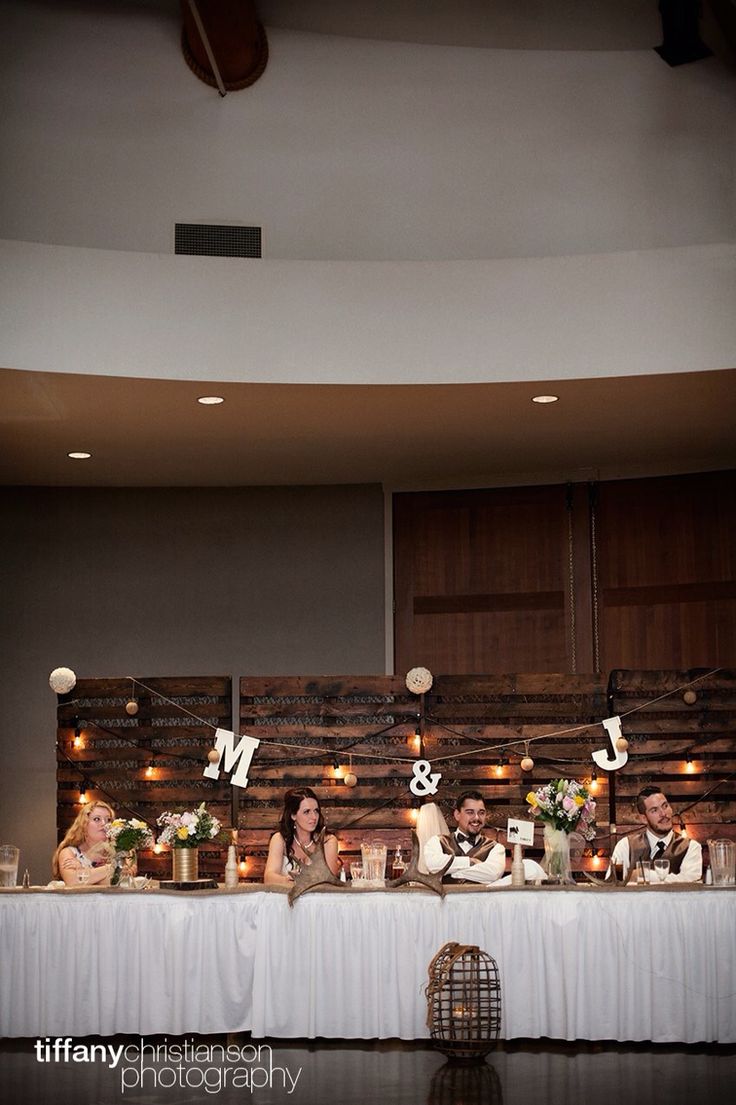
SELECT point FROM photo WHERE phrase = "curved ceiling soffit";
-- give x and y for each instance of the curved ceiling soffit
(223, 42)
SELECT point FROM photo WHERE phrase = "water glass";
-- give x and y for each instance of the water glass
(723, 862)
(374, 862)
(83, 875)
(644, 871)
(661, 868)
(356, 871)
(9, 856)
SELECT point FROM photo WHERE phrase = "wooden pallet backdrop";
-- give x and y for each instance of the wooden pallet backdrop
(148, 763)
(307, 725)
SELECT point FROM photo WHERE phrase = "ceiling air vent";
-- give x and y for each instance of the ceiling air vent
(213, 240)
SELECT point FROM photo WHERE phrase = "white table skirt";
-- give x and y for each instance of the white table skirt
(574, 964)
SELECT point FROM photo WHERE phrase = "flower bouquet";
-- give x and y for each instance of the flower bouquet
(184, 832)
(188, 829)
(127, 837)
(564, 805)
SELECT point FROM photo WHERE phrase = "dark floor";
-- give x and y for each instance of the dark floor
(346, 1072)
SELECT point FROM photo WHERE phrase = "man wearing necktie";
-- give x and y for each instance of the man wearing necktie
(475, 856)
(659, 839)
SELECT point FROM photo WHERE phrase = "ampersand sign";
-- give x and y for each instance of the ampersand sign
(424, 780)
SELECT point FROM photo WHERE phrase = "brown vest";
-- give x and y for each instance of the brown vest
(451, 847)
(639, 848)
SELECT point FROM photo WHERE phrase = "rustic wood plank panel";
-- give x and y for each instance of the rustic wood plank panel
(115, 750)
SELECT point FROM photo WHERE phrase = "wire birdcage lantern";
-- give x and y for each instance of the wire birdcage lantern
(463, 1002)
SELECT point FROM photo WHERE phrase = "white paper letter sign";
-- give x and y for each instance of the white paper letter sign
(519, 832)
(232, 755)
(612, 725)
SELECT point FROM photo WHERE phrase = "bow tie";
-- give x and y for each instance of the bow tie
(472, 838)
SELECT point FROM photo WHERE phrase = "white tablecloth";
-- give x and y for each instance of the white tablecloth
(574, 964)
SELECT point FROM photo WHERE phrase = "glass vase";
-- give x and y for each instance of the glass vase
(557, 855)
(185, 864)
(123, 870)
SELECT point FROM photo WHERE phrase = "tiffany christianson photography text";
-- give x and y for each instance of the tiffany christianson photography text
(182, 1064)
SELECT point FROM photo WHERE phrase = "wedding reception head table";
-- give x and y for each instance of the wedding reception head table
(583, 961)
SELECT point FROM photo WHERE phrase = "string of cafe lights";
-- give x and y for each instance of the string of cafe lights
(526, 763)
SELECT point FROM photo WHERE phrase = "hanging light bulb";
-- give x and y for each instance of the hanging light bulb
(149, 770)
(78, 740)
(242, 864)
(594, 780)
(83, 799)
(689, 765)
(350, 779)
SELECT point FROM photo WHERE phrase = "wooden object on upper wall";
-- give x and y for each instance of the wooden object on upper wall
(666, 564)
(147, 762)
(493, 580)
(581, 577)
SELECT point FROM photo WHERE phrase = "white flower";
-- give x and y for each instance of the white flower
(418, 680)
(62, 680)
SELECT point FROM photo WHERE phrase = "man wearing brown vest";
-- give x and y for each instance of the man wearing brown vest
(658, 839)
(475, 856)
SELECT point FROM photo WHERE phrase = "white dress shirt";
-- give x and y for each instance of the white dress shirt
(691, 869)
(462, 867)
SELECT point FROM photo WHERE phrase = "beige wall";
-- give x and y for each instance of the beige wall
(183, 582)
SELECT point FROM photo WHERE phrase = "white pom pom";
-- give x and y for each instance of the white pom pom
(62, 680)
(350, 780)
(419, 680)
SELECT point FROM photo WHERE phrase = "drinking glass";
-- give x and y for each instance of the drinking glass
(661, 868)
(9, 856)
(644, 870)
(356, 871)
(374, 862)
(83, 875)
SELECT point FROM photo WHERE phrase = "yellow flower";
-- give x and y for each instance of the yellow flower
(579, 800)
(532, 798)
(118, 822)
(182, 832)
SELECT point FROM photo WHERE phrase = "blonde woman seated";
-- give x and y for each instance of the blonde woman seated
(83, 857)
(292, 847)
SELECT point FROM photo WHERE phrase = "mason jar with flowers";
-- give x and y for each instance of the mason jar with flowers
(563, 805)
(184, 832)
(127, 838)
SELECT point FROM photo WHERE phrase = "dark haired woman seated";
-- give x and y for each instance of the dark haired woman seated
(292, 847)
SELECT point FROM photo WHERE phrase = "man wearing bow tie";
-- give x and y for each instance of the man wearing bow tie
(475, 856)
(658, 839)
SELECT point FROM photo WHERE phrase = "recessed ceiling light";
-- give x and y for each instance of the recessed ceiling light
(79, 456)
(210, 400)
(545, 398)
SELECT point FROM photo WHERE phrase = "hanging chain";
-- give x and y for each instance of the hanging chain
(593, 496)
(571, 581)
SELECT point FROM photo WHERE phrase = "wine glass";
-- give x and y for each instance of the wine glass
(83, 876)
(661, 868)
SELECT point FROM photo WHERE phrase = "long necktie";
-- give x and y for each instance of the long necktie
(658, 850)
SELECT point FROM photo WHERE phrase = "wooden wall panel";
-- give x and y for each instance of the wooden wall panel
(115, 750)
(462, 714)
(664, 732)
(631, 573)
(666, 552)
(475, 730)
(482, 580)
